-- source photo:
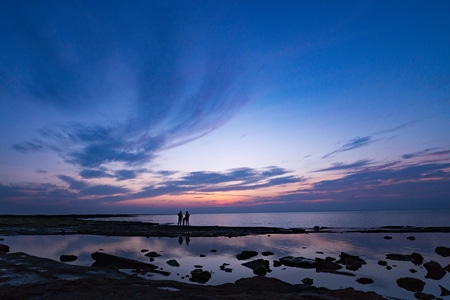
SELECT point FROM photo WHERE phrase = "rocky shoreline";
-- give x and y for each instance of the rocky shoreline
(23, 276)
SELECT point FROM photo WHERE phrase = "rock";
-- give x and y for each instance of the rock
(259, 266)
(68, 258)
(277, 263)
(223, 267)
(434, 270)
(267, 253)
(411, 284)
(444, 291)
(323, 265)
(382, 263)
(173, 263)
(200, 276)
(244, 255)
(443, 251)
(298, 262)
(4, 248)
(351, 262)
(144, 250)
(152, 254)
(202, 255)
(423, 296)
(388, 237)
(308, 281)
(364, 280)
(399, 257)
(447, 268)
(411, 238)
(198, 266)
(213, 250)
(416, 258)
(413, 271)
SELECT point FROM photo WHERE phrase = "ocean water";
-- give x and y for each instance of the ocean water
(334, 219)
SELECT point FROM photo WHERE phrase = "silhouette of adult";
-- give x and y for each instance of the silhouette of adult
(180, 218)
(186, 217)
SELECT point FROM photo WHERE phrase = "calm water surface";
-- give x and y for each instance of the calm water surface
(372, 247)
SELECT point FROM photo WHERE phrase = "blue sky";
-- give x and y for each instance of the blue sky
(224, 106)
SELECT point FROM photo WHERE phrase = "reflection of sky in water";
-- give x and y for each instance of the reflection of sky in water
(371, 247)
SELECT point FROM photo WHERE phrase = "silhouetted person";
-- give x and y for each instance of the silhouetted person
(186, 217)
(180, 218)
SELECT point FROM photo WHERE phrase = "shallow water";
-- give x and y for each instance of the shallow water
(369, 246)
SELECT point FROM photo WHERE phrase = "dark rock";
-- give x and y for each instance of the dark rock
(413, 271)
(277, 263)
(411, 238)
(447, 268)
(173, 263)
(152, 254)
(388, 268)
(423, 296)
(259, 266)
(316, 228)
(444, 291)
(434, 270)
(223, 267)
(411, 284)
(198, 266)
(213, 250)
(364, 280)
(202, 255)
(308, 281)
(298, 262)
(351, 262)
(68, 258)
(244, 255)
(388, 237)
(399, 257)
(4, 248)
(200, 276)
(443, 251)
(382, 263)
(323, 265)
(416, 258)
(267, 253)
(144, 250)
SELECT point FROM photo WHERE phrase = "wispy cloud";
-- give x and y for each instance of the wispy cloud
(355, 143)
(341, 166)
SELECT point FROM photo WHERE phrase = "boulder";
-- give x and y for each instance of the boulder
(244, 255)
(68, 258)
(200, 276)
(308, 281)
(399, 257)
(364, 280)
(423, 296)
(443, 251)
(173, 263)
(434, 270)
(351, 262)
(259, 266)
(224, 267)
(411, 284)
(323, 265)
(267, 253)
(444, 291)
(152, 254)
(416, 258)
(109, 260)
(447, 268)
(411, 238)
(4, 248)
(382, 263)
(298, 262)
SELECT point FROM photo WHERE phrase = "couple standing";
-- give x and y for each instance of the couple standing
(183, 220)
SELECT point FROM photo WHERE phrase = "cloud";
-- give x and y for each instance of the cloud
(97, 173)
(341, 166)
(83, 188)
(138, 87)
(426, 152)
(355, 143)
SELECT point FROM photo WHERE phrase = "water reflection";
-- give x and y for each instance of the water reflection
(211, 253)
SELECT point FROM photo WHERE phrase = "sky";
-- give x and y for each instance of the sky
(224, 106)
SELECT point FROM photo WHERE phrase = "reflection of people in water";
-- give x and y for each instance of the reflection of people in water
(187, 240)
(180, 240)
(180, 218)
(186, 218)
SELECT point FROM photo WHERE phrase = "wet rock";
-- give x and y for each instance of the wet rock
(423, 296)
(244, 255)
(364, 280)
(277, 263)
(4, 248)
(382, 263)
(308, 281)
(267, 253)
(399, 257)
(413, 271)
(202, 255)
(444, 291)
(68, 258)
(223, 267)
(411, 238)
(298, 262)
(416, 258)
(144, 250)
(152, 254)
(351, 262)
(447, 268)
(323, 265)
(173, 263)
(200, 276)
(259, 266)
(388, 237)
(213, 250)
(434, 270)
(443, 251)
(198, 266)
(411, 284)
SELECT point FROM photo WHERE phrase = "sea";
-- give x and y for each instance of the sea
(331, 219)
